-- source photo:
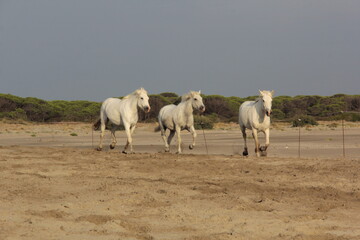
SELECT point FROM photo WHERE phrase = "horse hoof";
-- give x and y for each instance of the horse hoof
(191, 147)
(263, 149)
(245, 153)
(112, 146)
(124, 152)
(99, 149)
(263, 153)
(167, 150)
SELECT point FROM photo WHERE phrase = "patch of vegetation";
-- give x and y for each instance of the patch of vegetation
(333, 125)
(204, 122)
(304, 121)
(218, 108)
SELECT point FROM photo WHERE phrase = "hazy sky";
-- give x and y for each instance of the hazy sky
(94, 49)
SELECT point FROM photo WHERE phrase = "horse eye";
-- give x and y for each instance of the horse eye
(142, 98)
(195, 99)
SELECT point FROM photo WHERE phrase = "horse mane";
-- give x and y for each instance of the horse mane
(187, 96)
(270, 93)
(258, 99)
(136, 93)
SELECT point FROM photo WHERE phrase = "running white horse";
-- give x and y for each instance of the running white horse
(122, 112)
(255, 115)
(180, 117)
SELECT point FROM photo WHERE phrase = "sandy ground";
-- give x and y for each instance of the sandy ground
(53, 185)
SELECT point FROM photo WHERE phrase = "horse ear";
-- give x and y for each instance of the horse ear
(141, 90)
(261, 92)
(272, 93)
(199, 91)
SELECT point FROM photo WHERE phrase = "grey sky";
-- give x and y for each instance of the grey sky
(92, 49)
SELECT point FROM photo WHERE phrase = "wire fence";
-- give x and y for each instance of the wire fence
(342, 141)
(342, 128)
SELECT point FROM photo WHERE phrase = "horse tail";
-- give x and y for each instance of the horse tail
(96, 125)
(157, 129)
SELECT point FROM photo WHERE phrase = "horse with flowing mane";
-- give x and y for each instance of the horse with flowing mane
(255, 115)
(122, 112)
(180, 117)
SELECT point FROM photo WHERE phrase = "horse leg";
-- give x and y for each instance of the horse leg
(178, 130)
(171, 135)
(129, 140)
(163, 135)
(102, 133)
(193, 132)
(257, 145)
(245, 152)
(132, 129)
(267, 143)
(113, 138)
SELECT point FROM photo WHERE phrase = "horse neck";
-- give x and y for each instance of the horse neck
(131, 102)
(260, 109)
(187, 106)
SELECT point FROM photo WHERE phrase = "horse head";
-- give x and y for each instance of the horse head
(143, 99)
(196, 100)
(266, 98)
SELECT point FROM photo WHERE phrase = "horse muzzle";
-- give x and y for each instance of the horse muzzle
(147, 109)
(268, 113)
(202, 109)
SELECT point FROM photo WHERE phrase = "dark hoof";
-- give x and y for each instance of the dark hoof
(124, 152)
(263, 149)
(245, 152)
(99, 149)
(112, 146)
(263, 153)
(191, 147)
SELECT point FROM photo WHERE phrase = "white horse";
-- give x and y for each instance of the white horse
(180, 117)
(255, 115)
(122, 112)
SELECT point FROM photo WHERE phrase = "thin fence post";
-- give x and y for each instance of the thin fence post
(202, 127)
(299, 137)
(92, 137)
(343, 132)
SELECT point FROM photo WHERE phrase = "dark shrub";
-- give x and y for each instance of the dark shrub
(203, 122)
(169, 94)
(304, 120)
(278, 114)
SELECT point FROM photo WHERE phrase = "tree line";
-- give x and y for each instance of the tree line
(218, 108)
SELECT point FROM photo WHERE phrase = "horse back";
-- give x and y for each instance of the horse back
(166, 116)
(250, 117)
(110, 109)
(246, 110)
(167, 110)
